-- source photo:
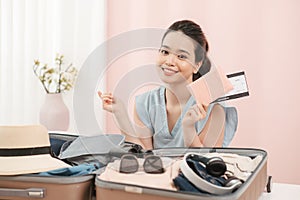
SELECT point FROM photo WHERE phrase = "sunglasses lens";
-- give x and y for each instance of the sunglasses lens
(129, 164)
(153, 165)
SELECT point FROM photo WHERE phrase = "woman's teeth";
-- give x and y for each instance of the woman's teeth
(169, 70)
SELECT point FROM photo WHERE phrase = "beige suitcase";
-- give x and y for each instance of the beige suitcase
(250, 189)
(47, 188)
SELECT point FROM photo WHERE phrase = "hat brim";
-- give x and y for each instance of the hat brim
(29, 164)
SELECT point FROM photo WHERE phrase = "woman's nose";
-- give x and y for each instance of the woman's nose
(171, 59)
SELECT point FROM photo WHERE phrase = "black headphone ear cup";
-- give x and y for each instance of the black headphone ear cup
(216, 167)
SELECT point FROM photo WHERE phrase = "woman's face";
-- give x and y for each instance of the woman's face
(176, 59)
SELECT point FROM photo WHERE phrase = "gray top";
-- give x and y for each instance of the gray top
(151, 109)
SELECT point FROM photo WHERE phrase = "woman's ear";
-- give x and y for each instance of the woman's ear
(197, 67)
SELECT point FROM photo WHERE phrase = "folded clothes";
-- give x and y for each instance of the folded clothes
(183, 184)
(162, 180)
(79, 170)
(91, 145)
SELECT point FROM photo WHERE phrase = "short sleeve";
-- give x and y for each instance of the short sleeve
(231, 122)
(231, 125)
(141, 105)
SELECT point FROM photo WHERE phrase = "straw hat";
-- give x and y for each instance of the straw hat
(26, 149)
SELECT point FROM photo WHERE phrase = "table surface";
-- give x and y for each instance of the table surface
(281, 191)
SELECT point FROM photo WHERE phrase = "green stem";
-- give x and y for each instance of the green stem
(37, 75)
(59, 69)
(43, 83)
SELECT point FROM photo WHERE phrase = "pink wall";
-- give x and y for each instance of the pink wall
(260, 37)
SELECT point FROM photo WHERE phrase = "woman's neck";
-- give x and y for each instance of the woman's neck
(178, 94)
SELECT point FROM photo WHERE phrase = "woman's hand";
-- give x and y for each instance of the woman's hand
(194, 114)
(111, 103)
(107, 101)
(117, 107)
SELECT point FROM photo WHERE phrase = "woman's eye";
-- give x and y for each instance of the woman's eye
(164, 52)
(182, 57)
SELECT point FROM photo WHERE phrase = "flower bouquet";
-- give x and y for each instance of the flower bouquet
(55, 79)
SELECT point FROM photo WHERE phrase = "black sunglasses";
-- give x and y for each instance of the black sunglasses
(152, 164)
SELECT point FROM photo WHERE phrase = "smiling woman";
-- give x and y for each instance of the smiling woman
(168, 116)
(41, 29)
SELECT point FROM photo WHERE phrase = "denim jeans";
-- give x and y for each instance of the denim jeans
(79, 170)
(183, 184)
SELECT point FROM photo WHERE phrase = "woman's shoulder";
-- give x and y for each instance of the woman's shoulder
(152, 96)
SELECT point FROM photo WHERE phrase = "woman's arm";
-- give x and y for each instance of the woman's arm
(117, 108)
(212, 134)
(146, 137)
(132, 131)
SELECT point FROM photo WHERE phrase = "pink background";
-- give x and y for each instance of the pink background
(260, 37)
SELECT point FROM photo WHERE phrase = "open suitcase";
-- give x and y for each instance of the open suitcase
(251, 189)
(49, 188)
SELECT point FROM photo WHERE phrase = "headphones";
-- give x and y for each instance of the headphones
(216, 167)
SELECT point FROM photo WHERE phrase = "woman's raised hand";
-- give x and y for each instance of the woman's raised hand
(194, 114)
(111, 103)
(107, 101)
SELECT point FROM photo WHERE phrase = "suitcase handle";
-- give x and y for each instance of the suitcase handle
(29, 192)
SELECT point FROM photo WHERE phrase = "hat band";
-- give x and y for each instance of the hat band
(25, 151)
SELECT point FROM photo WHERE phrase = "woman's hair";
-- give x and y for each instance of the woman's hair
(194, 31)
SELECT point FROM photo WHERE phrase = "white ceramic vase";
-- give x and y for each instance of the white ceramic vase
(54, 113)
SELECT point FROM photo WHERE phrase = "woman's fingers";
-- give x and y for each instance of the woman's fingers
(202, 110)
(194, 114)
(198, 111)
(106, 97)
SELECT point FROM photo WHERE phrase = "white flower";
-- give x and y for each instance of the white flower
(55, 79)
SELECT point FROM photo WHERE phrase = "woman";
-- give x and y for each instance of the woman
(169, 116)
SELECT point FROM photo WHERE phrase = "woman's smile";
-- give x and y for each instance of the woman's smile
(169, 71)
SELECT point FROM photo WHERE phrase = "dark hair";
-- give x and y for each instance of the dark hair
(195, 32)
